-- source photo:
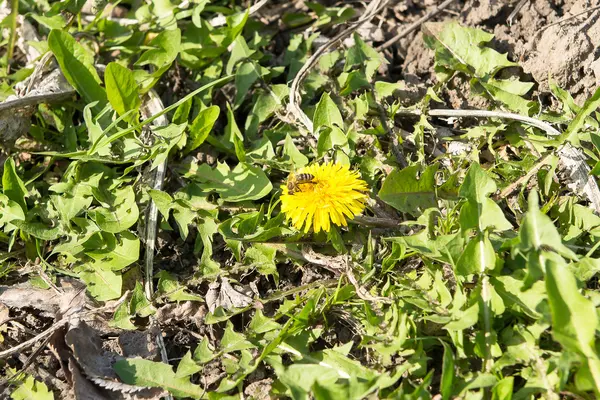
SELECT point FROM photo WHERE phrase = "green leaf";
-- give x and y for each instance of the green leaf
(187, 366)
(103, 284)
(447, 372)
(139, 303)
(122, 318)
(574, 317)
(537, 231)
(201, 127)
(232, 131)
(407, 193)
(485, 215)
(173, 290)
(12, 185)
(31, 389)
(136, 371)
(331, 138)
(478, 257)
(233, 341)
(123, 253)
(122, 90)
(242, 183)
(265, 105)
(463, 48)
(77, 65)
(122, 213)
(477, 185)
(9, 211)
(239, 51)
(245, 76)
(204, 351)
(591, 105)
(503, 390)
(261, 324)
(39, 230)
(292, 154)
(327, 114)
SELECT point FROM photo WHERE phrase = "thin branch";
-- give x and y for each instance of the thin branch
(513, 186)
(415, 25)
(560, 21)
(59, 324)
(514, 12)
(483, 114)
(29, 101)
(221, 20)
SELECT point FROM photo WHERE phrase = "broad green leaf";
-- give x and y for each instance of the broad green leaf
(122, 213)
(240, 51)
(242, 183)
(364, 56)
(327, 114)
(477, 185)
(234, 341)
(265, 105)
(245, 76)
(537, 230)
(31, 389)
(103, 284)
(457, 45)
(407, 193)
(122, 318)
(173, 290)
(591, 105)
(331, 138)
(187, 366)
(201, 127)
(478, 257)
(139, 304)
(204, 351)
(9, 210)
(261, 324)
(503, 390)
(12, 185)
(125, 252)
(39, 229)
(122, 90)
(136, 371)
(77, 65)
(292, 154)
(574, 317)
(485, 215)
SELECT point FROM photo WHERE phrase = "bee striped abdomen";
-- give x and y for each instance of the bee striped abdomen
(304, 178)
(297, 179)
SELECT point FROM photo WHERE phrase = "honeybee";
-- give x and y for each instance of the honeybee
(294, 180)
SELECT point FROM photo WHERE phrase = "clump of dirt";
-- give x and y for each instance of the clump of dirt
(547, 38)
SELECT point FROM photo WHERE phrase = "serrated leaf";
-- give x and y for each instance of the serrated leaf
(234, 341)
(31, 389)
(292, 154)
(187, 366)
(126, 251)
(136, 371)
(121, 215)
(465, 46)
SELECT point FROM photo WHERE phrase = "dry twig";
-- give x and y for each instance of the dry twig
(415, 25)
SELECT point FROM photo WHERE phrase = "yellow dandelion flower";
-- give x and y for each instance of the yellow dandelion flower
(334, 195)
